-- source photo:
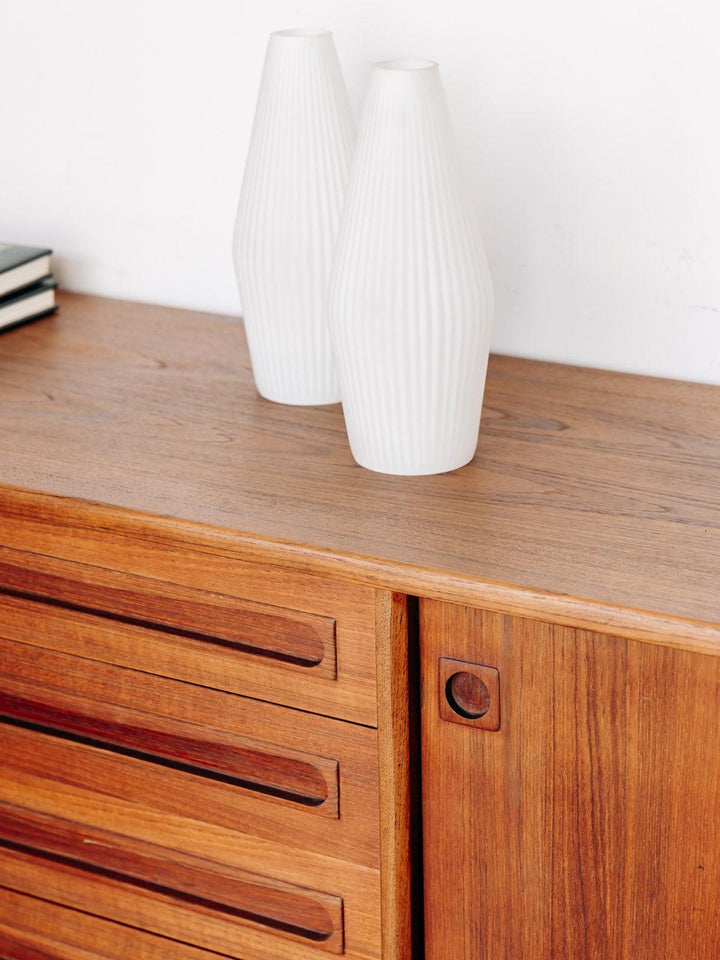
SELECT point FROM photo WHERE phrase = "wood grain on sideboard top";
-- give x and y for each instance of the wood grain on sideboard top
(593, 499)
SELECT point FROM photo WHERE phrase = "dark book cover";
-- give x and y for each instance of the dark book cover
(47, 283)
(12, 255)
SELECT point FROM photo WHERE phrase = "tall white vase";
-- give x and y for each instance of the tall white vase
(290, 204)
(410, 299)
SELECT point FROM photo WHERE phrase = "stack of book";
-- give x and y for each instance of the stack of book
(27, 288)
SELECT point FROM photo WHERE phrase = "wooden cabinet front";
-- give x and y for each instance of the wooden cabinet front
(139, 787)
(248, 628)
(588, 825)
(188, 812)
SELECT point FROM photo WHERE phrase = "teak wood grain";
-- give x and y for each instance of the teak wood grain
(15, 945)
(65, 934)
(398, 768)
(80, 781)
(19, 949)
(134, 727)
(283, 635)
(182, 836)
(592, 500)
(68, 934)
(208, 638)
(153, 908)
(221, 892)
(74, 603)
(586, 826)
(239, 761)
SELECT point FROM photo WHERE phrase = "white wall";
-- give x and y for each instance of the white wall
(590, 133)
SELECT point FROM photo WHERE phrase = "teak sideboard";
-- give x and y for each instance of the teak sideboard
(259, 703)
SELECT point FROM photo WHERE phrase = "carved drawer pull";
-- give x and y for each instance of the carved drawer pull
(244, 763)
(225, 891)
(288, 636)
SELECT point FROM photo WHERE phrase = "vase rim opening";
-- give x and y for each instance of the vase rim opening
(302, 32)
(406, 64)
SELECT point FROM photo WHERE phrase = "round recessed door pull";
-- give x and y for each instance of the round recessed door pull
(467, 695)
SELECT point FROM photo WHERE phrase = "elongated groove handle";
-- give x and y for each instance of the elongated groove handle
(230, 893)
(284, 635)
(242, 765)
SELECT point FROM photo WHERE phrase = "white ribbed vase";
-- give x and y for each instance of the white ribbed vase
(292, 195)
(410, 299)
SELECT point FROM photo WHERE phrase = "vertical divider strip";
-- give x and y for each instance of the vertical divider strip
(397, 648)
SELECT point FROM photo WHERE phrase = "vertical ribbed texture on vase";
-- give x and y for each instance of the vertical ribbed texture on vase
(290, 204)
(410, 302)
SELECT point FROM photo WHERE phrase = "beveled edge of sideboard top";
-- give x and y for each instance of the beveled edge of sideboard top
(71, 522)
(593, 497)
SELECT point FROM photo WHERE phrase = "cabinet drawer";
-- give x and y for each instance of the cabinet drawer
(34, 929)
(250, 912)
(187, 898)
(214, 757)
(289, 639)
(188, 812)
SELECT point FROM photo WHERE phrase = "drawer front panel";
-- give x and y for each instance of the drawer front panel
(239, 761)
(187, 812)
(34, 929)
(289, 637)
(38, 843)
(215, 757)
(94, 883)
(317, 655)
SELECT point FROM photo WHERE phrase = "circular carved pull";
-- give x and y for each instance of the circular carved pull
(467, 695)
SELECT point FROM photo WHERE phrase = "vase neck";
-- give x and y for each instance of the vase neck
(406, 81)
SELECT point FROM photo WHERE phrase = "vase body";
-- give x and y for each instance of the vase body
(290, 204)
(410, 302)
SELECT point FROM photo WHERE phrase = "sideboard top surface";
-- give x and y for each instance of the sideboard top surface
(587, 485)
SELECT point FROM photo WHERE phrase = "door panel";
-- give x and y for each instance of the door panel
(588, 825)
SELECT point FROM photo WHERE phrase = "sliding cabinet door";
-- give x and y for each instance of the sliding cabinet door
(571, 793)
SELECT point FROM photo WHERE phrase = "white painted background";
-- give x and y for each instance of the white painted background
(590, 133)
